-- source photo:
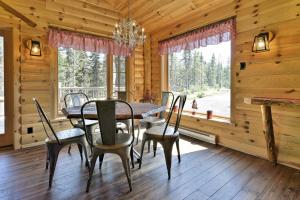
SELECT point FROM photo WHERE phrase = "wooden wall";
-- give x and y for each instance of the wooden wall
(37, 78)
(275, 74)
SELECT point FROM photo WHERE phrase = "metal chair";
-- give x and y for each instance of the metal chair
(158, 120)
(108, 140)
(78, 99)
(166, 135)
(55, 141)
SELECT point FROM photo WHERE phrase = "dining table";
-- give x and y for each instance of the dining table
(140, 111)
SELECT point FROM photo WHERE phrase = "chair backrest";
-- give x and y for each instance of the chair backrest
(46, 122)
(164, 101)
(75, 99)
(120, 95)
(106, 112)
(181, 99)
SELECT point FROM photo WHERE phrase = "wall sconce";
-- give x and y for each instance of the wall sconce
(35, 47)
(261, 42)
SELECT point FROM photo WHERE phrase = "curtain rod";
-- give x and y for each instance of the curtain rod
(190, 31)
(75, 31)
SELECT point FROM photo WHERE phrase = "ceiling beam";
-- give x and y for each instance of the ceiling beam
(11, 10)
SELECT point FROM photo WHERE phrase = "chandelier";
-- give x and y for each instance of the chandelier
(128, 32)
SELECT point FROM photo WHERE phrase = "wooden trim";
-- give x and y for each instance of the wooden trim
(109, 78)
(164, 73)
(54, 83)
(12, 87)
(147, 65)
(14, 12)
(130, 82)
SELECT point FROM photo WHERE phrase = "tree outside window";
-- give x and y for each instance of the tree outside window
(204, 75)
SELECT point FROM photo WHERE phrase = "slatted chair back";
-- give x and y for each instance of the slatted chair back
(165, 99)
(46, 122)
(75, 99)
(106, 112)
(181, 101)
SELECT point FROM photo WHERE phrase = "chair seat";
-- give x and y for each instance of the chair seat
(121, 125)
(66, 135)
(87, 123)
(154, 121)
(157, 132)
(122, 140)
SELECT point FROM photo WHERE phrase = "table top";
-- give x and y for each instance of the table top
(268, 101)
(140, 111)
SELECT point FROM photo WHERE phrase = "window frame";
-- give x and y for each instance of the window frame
(57, 114)
(165, 86)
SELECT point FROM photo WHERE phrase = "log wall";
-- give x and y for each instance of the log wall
(273, 74)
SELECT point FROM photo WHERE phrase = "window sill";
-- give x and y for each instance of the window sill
(202, 118)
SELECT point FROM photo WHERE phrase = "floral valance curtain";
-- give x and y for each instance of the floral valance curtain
(68, 39)
(209, 35)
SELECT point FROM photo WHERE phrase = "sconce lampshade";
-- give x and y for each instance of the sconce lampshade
(261, 42)
(35, 47)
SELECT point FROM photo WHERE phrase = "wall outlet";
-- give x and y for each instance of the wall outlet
(29, 130)
(242, 66)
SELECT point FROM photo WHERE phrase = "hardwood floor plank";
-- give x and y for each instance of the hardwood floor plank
(206, 172)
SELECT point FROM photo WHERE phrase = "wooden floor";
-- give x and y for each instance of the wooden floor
(205, 172)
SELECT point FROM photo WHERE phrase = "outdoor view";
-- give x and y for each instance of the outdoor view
(2, 127)
(80, 71)
(119, 73)
(204, 75)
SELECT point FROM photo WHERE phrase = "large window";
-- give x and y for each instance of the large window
(80, 71)
(204, 75)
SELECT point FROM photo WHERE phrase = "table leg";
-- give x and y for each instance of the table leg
(269, 133)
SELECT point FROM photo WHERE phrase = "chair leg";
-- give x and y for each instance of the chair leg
(93, 162)
(154, 148)
(142, 151)
(101, 157)
(149, 143)
(167, 146)
(132, 156)
(83, 144)
(138, 134)
(178, 150)
(47, 159)
(125, 161)
(80, 150)
(69, 150)
(53, 155)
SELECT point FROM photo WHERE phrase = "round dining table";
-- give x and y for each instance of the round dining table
(140, 111)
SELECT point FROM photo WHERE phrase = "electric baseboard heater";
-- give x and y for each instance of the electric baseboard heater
(206, 137)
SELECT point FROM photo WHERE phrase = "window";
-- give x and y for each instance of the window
(204, 75)
(119, 73)
(81, 71)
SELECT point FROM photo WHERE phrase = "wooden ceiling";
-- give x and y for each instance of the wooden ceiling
(99, 16)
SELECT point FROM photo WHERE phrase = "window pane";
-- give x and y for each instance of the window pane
(119, 73)
(80, 71)
(204, 75)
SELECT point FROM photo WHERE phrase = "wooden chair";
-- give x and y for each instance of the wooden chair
(108, 140)
(158, 120)
(57, 140)
(166, 135)
(78, 99)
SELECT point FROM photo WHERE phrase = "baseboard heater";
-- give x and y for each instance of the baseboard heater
(206, 137)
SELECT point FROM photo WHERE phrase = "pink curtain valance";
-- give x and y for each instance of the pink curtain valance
(209, 35)
(68, 39)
